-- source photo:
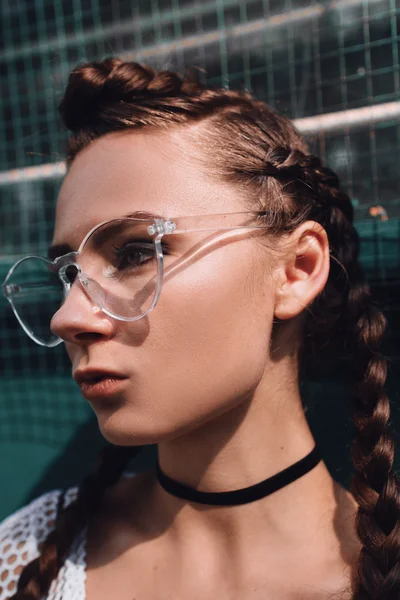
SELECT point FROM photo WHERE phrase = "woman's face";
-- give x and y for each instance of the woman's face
(205, 346)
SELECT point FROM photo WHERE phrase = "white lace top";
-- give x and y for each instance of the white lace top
(20, 536)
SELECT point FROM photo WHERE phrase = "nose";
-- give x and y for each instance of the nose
(79, 320)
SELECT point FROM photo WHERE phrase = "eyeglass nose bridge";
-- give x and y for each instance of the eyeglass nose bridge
(92, 289)
(62, 273)
(62, 264)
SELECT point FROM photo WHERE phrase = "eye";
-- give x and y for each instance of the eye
(133, 255)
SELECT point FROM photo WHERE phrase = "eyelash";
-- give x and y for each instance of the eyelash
(120, 253)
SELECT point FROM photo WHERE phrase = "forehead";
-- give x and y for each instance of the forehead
(126, 172)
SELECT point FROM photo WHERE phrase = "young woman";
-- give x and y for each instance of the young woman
(200, 255)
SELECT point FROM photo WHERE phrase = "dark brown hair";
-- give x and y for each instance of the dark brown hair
(259, 150)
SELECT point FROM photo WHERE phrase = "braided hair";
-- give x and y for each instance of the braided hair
(251, 146)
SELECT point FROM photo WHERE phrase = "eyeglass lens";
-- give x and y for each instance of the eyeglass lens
(119, 273)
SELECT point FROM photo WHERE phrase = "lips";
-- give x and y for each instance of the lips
(96, 383)
(95, 375)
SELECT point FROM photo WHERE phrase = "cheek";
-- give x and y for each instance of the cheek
(217, 312)
(207, 345)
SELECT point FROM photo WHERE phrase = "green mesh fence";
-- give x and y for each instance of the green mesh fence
(333, 66)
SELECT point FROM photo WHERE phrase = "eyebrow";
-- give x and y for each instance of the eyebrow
(59, 249)
(142, 214)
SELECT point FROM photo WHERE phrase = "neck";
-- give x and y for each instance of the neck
(308, 523)
(257, 439)
(312, 517)
(307, 513)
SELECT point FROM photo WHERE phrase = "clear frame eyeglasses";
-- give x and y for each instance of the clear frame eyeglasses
(119, 265)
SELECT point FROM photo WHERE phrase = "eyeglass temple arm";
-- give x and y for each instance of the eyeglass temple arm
(168, 226)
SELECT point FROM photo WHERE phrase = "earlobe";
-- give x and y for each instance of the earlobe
(304, 270)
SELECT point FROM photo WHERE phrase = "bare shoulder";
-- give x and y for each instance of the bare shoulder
(344, 520)
(344, 524)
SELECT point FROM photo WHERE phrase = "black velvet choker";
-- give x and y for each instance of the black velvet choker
(245, 495)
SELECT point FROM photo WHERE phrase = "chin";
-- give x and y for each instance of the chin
(127, 431)
(123, 436)
(130, 432)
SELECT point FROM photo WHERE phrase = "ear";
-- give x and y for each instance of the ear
(303, 270)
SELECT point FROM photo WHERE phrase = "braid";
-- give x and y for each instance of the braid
(35, 579)
(93, 88)
(374, 485)
(345, 310)
(360, 327)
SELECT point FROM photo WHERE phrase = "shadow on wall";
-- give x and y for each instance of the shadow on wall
(79, 458)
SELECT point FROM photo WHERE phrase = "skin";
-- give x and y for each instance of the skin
(214, 383)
